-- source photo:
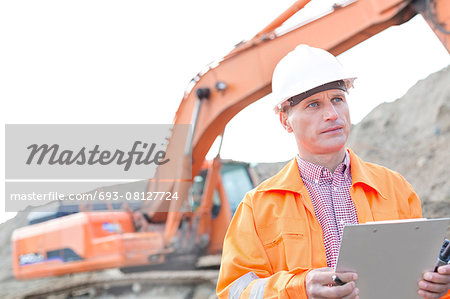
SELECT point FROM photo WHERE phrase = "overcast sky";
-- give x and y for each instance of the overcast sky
(130, 62)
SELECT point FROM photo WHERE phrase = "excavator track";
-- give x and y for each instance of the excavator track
(130, 282)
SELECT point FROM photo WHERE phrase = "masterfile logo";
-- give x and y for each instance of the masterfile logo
(95, 164)
(54, 155)
(93, 152)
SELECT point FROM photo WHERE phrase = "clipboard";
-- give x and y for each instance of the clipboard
(390, 256)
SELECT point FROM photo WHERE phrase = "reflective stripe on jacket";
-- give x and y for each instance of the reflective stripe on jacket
(274, 239)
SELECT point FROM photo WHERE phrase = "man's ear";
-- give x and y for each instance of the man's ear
(285, 122)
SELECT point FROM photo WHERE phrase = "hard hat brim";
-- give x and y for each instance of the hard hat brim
(326, 86)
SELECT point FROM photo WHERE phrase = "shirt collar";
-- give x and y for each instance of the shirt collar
(315, 173)
(288, 179)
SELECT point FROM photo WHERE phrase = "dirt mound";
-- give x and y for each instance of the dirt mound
(263, 171)
(412, 136)
(6, 230)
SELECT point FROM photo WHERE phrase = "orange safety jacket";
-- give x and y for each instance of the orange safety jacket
(274, 239)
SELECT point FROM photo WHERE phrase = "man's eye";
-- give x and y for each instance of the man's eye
(313, 105)
(338, 99)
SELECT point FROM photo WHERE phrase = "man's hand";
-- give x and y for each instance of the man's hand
(435, 285)
(319, 284)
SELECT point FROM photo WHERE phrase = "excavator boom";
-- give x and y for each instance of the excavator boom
(247, 70)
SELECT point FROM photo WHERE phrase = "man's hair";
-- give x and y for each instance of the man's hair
(285, 108)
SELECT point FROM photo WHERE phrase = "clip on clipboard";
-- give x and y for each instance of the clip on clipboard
(390, 256)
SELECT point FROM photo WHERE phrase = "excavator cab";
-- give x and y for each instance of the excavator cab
(236, 179)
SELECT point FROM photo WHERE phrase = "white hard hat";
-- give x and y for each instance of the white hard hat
(303, 69)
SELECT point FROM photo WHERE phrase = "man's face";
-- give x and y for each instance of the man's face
(320, 123)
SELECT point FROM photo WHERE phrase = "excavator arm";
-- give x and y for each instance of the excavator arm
(244, 75)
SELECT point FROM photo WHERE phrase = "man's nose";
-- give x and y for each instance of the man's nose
(330, 112)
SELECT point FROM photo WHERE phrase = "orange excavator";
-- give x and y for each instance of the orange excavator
(165, 233)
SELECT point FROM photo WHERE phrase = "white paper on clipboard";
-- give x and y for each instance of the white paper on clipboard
(390, 257)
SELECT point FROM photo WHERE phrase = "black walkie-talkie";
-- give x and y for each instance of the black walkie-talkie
(444, 255)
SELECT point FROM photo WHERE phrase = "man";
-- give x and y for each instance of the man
(284, 238)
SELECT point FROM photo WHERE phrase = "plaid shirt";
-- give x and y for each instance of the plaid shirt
(333, 206)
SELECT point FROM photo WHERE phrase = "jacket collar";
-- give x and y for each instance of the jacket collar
(363, 173)
(288, 179)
